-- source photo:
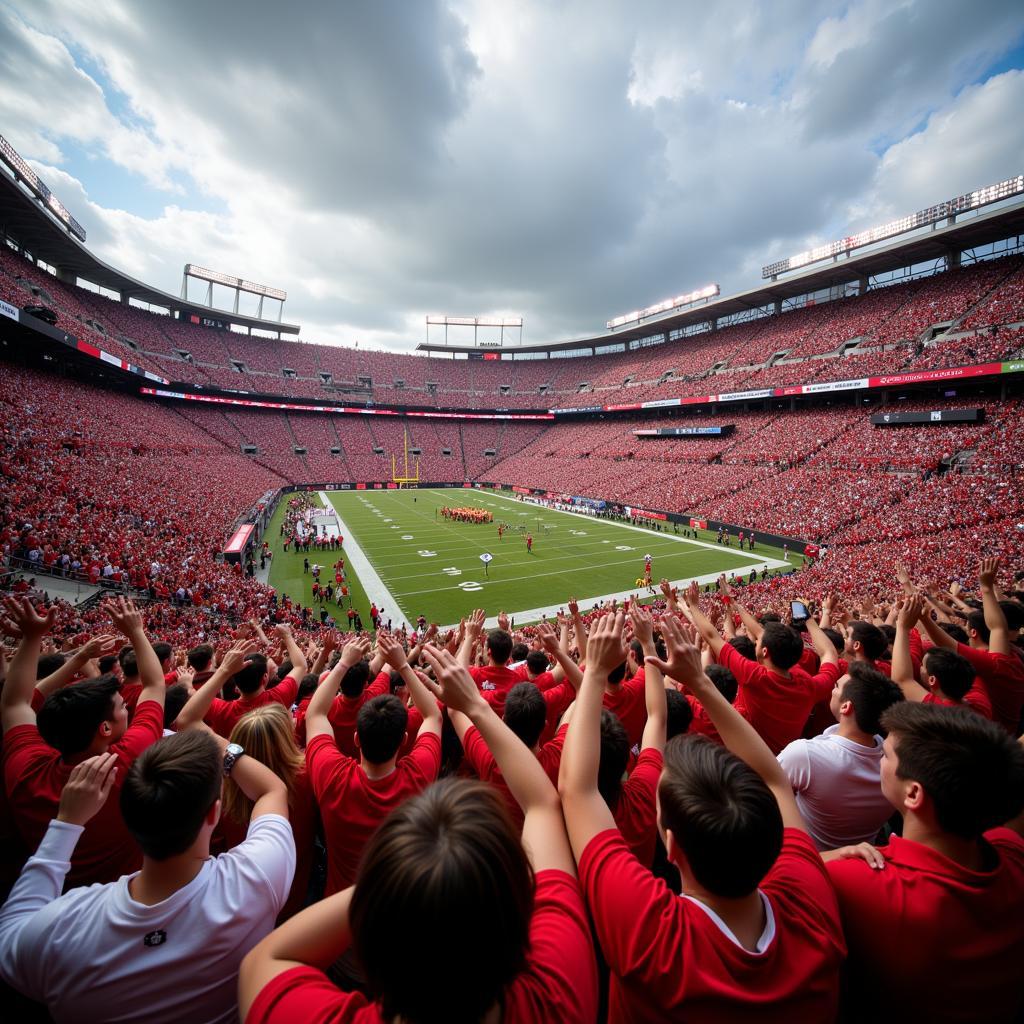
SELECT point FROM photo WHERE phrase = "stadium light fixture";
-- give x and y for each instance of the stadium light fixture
(930, 215)
(37, 186)
(237, 283)
(440, 320)
(708, 292)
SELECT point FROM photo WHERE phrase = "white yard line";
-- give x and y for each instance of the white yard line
(374, 586)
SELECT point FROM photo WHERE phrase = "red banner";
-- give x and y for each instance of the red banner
(699, 524)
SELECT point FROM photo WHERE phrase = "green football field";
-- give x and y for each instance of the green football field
(400, 552)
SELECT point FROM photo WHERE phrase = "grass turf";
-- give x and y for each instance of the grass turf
(432, 566)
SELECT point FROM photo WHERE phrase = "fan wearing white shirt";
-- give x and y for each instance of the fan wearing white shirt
(837, 776)
(165, 943)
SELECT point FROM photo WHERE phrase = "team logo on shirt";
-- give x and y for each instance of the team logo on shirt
(157, 938)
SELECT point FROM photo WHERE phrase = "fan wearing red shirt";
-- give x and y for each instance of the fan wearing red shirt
(251, 681)
(356, 796)
(947, 677)
(990, 651)
(496, 928)
(935, 920)
(345, 707)
(74, 724)
(495, 675)
(755, 934)
(774, 696)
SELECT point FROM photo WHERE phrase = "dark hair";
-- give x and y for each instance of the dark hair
(680, 714)
(175, 699)
(870, 692)
(249, 678)
(614, 757)
(956, 631)
(953, 671)
(526, 712)
(129, 663)
(889, 632)
(499, 645)
(447, 861)
(381, 725)
(721, 813)
(162, 651)
(617, 674)
(870, 637)
(107, 663)
(307, 686)
(354, 681)
(69, 718)
(976, 621)
(169, 790)
(971, 769)
(200, 657)
(537, 662)
(48, 664)
(1014, 612)
(783, 644)
(745, 646)
(725, 682)
(520, 652)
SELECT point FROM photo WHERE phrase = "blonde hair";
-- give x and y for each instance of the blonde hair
(267, 734)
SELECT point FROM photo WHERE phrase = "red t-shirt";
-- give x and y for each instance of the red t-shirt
(543, 680)
(352, 805)
(494, 677)
(223, 715)
(671, 961)
(1003, 677)
(701, 724)
(932, 940)
(342, 715)
(559, 982)
(629, 703)
(775, 706)
(636, 813)
(34, 776)
(976, 698)
(481, 760)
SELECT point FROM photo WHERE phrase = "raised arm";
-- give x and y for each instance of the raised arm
(579, 629)
(474, 627)
(196, 707)
(317, 722)
(737, 733)
(753, 627)
(823, 647)
(78, 663)
(656, 726)
(565, 667)
(394, 655)
(936, 633)
(294, 651)
(16, 696)
(128, 619)
(995, 618)
(586, 813)
(902, 665)
(544, 838)
(703, 624)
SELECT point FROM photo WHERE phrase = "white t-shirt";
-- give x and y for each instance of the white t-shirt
(95, 954)
(838, 788)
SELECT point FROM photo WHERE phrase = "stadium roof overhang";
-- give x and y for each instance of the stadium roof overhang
(24, 221)
(938, 242)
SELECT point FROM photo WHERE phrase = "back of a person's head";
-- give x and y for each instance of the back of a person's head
(169, 790)
(249, 678)
(680, 714)
(745, 646)
(971, 769)
(129, 663)
(354, 681)
(520, 652)
(447, 862)
(721, 814)
(536, 662)
(266, 734)
(162, 650)
(526, 712)
(783, 644)
(49, 663)
(499, 646)
(956, 631)
(725, 682)
(69, 718)
(1014, 612)
(871, 639)
(954, 673)
(175, 698)
(108, 663)
(871, 692)
(380, 726)
(614, 757)
(976, 623)
(200, 658)
(307, 686)
(836, 637)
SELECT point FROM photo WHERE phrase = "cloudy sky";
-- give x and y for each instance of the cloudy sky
(566, 161)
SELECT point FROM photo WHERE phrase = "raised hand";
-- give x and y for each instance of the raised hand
(125, 616)
(911, 611)
(643, 624)
(723, 585)
(574, 608)
(394, 653)
(683, 663)
(452, 684)
(98, 646)
(87, 789)
(234, 659)
(987, 570)
(692, 594)
(22, 620)
(503, 621)
(606, 649)
(547, 637)
(355, 651)
(475, 624)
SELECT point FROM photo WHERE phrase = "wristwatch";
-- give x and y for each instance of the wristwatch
(231, 754)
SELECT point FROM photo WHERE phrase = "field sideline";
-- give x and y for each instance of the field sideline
(402, 555)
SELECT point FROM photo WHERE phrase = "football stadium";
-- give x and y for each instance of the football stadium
(620, 666)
